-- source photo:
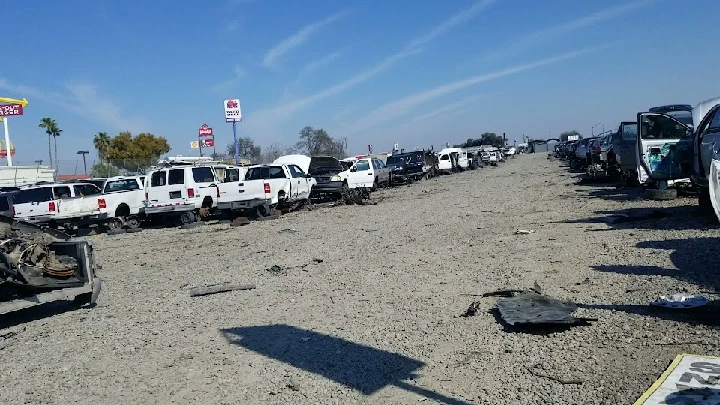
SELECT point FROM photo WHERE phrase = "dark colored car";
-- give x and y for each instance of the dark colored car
(406, 167)
(330, 185)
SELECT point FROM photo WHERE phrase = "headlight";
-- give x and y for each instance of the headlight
(336, 178)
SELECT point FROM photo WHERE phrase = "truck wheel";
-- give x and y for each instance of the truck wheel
(132, 222)
(660, 195)
(704, 201)
(115, 223)
(187, 218)
(375, 184)
(346, 195)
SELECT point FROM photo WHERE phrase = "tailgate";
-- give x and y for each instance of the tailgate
(243, 190)
(79, 206)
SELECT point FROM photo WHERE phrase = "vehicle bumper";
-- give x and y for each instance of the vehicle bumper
(241, 205)
(169, 209)
(329, 187)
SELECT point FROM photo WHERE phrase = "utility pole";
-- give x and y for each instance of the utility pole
(83, 153)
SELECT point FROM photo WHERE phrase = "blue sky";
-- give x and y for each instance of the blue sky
(418, 73)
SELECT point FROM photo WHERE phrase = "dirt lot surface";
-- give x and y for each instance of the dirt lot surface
(375, 319)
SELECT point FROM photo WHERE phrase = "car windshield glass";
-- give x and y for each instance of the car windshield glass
(661, 127)
(362, 165)
(629, 131)
(33, 195)
(683, 116)
(265, 172)
(203, 175)
(395, 160)
(121, 185)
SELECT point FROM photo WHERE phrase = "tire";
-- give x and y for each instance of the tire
(704, 201)
(346, 195)
(265, 211)
(714, 189)
(132, 222)
(187, 218)
(375, 184)
(660, 195)
(114, 223)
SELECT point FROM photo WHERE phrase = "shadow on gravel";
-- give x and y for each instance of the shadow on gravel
(677, 218)
(37, 313)
(706, 315)
(695, 260)
(363, 368)
(618, 194)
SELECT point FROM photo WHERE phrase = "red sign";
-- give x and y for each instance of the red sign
(205, 130)
(7, 110)
(207, 143)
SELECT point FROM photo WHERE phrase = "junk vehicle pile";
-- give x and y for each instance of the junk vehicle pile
(182, 192)
(666, 150)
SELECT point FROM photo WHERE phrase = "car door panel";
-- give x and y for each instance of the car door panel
(663, 148)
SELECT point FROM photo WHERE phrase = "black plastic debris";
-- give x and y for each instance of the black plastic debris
(533, 309)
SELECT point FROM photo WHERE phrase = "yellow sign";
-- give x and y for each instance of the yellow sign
(194, 145)
(3, 149)
(22, 102)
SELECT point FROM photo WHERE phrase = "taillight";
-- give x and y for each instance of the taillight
(267, 188)
(597, 149)
(146, 196)
(51, 206)
(101, 203)
(217, 192)
(191, 193)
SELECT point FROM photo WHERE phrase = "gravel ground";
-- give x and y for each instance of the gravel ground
(377, 321)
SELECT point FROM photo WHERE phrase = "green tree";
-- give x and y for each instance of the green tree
(53, 131)
(317, 142)
(564, 136)
(246, 149)
(101, 141)
(134, 153)
(104, 170)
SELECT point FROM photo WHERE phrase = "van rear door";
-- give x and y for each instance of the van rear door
(34, 203)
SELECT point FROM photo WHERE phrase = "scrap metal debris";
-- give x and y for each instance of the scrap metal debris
(680, 301)
(524, 231)
(218, 288)
(288, 230)
(533, 309)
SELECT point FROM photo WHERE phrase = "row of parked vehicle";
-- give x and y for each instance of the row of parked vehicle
(666, 149)
(182, 190)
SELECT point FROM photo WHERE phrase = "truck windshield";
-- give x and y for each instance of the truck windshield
(121, 185)
(265, 173)
(29, 195)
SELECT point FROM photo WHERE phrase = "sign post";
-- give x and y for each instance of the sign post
(234, 115)
(204, 131)
(13, 108)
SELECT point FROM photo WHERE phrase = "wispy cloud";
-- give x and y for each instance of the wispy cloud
(555, 31)
(238, 74)
(83, 99)
(449, 109)
(317, 64)
(414, 47)
(406, 104)
(297, 39)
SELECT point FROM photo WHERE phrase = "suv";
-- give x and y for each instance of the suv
(405, 167)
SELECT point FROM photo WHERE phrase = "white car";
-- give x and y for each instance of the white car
(369, 173)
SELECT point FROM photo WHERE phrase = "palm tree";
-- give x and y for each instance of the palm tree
(101, 141)
(50, 127)
(55, 135)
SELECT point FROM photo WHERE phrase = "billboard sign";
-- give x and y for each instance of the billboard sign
(207, 143)
(232, 111)
(205, 130)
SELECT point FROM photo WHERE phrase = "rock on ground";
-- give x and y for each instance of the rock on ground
(376, 320)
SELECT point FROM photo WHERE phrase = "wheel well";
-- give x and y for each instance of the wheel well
(207, 202)
(123, 210)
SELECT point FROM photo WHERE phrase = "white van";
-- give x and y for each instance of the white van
(181, 190)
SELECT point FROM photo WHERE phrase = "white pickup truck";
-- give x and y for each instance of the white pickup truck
(124, 201)
(290, 185)
(252, 198)
(66, 205)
